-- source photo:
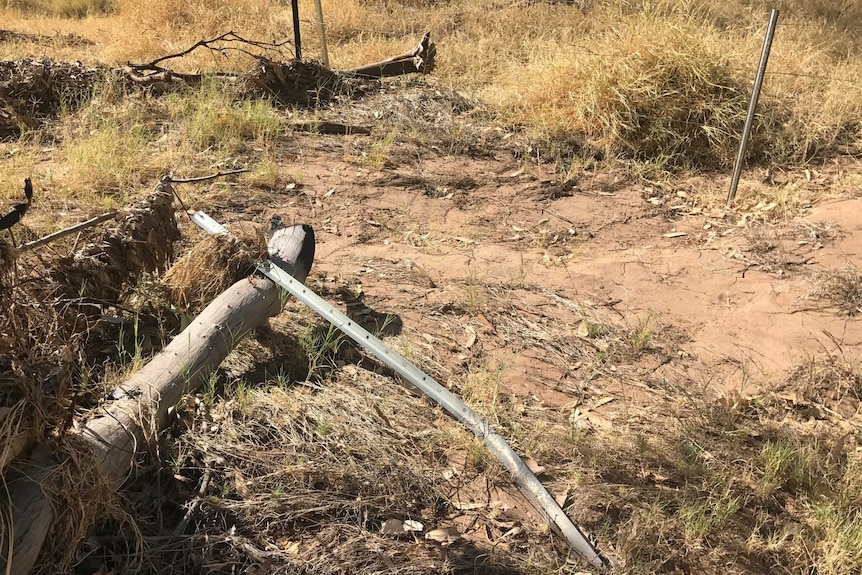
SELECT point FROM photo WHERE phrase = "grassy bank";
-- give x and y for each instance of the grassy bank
(664, 83)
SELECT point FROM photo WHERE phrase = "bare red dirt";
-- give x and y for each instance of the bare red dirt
(447, 243)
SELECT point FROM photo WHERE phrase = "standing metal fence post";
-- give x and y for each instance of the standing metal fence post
(321, 30)
(752, 105)
(297, 41)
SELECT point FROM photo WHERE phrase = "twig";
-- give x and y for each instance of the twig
(327, 127)
(172, 180)
(205, 482)
(168, 180)
(65, 232)
(559, 217)
(226, 37)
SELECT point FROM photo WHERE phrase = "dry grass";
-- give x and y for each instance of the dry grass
(302, 477)
(63, 8)
(841, 289)
(318, 473)
(213, 264)
(656, 90)
(108, 154)
(665, 83)
(743, 482)
(311, 472)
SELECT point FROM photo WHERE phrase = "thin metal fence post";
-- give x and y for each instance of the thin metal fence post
(752, 105)
(297, 41)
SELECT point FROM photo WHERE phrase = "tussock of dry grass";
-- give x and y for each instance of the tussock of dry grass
(673, 91)
(53, 315)
(82, 498)
(39, 345)
(653, 90)
(213, 265)
(841, 289)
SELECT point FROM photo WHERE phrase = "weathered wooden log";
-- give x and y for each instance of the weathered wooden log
(419, 60)
(118, 438)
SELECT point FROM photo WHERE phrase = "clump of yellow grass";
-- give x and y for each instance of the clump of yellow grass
(213, 264)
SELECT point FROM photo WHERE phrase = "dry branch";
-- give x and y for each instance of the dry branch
(158, 78)
(234, 42)
(118, 437)
(67, 231)
(328, 127)
(173, 180)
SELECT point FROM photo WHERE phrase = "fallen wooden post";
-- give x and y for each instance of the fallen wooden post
(418, 60)
(118, 437)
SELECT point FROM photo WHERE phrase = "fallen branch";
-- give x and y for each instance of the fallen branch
(153, 75)
(228, 37)
(118, 437)
(180, 529)
(160, 79)
(327, 127)
(67, 231)
(173, 180)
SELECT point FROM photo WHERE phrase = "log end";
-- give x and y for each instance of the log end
(291, 247)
